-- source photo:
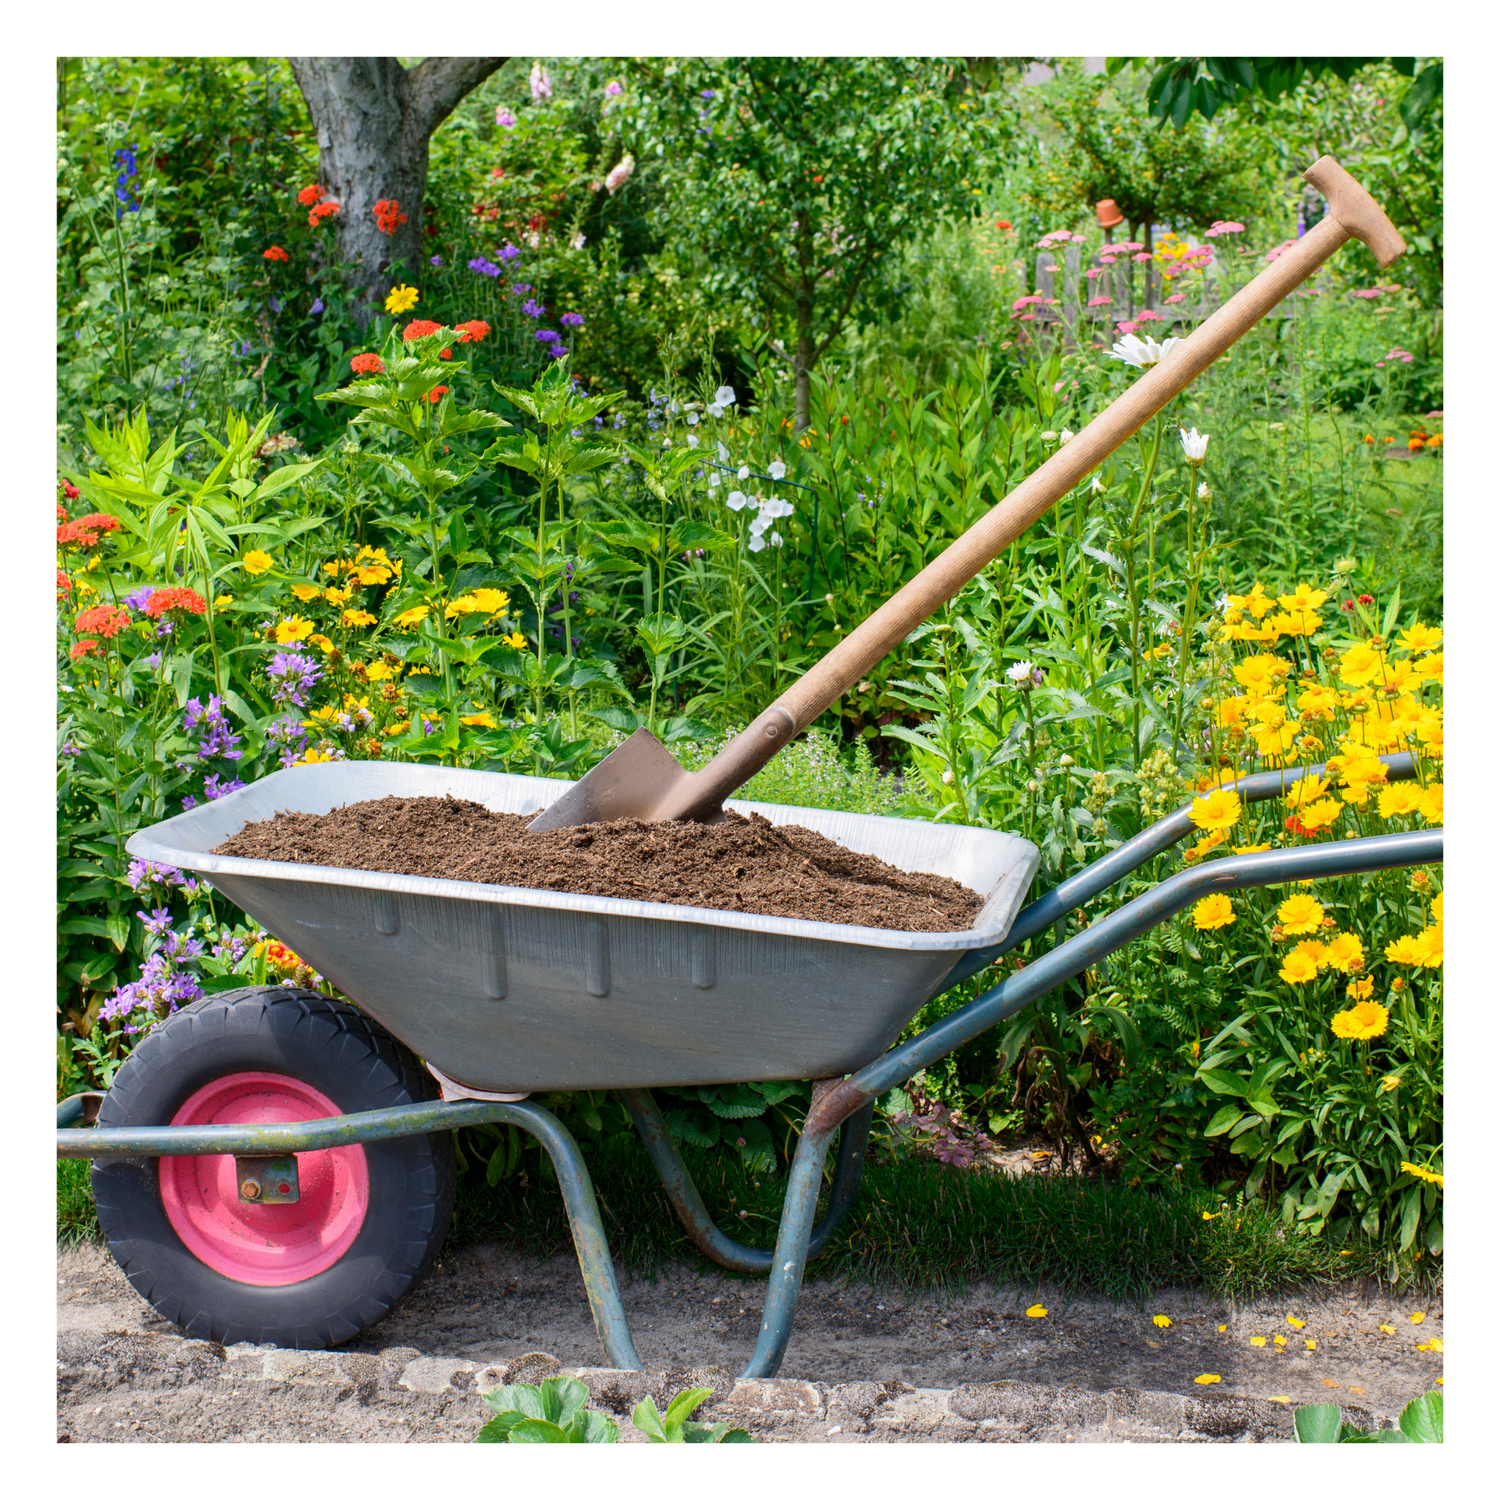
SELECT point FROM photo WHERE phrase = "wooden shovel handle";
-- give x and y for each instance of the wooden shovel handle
(1353, 214)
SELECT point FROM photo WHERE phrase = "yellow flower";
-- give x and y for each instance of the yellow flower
(409, 619)
(1279, 1340)
(1299, 968)
(1429, 669)
(353, 617)
(516, 639)
(1320, 814)
(1361, 1022)
(1258, 1341)
(1305, 789)
(1418, 1317)
(306, 592)
(1295, 1321)
(323, 644)
(490, 601)
(257, 562)
(1345, 953)
(1296, 622)
(1386, 1328)
(1313, 949)
(1251, 848)
(1208, 1216)
(1211, 912)
(402, 299)
(1223, 1327)
(1300, 914)
(400, 728)
(1219, 809)
(1230, 711)
(1430, 946)
(1422, 1172)
(1420, 638)
(1431, 805)
(478, 721)
(312, 758)
(1432, 1346)
(1207, 1379)
(1038, 1311)
(1162, 1320)
(1260, 673)
(1305, 597)
(1272, 744)
(1360, 664)
(1404, 950)
(1390, 1083)
(1398, 800)
(1437, 907)
(293, 629)
(1311, 1343)
(379, 671)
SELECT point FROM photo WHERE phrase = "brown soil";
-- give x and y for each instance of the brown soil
(741, 864)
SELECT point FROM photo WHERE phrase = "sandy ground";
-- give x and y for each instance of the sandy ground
(126, 1375)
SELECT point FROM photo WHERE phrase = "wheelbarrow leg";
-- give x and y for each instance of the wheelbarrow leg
(792, 1243)
(696, 1219)
(594, 1259)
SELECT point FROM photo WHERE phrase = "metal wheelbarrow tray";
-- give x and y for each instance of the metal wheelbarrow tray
(512, 990)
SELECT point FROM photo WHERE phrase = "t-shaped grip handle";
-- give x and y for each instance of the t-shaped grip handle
(1359, 214)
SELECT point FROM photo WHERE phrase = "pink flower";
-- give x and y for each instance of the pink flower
(504, 118)
(1099, 301)
(1142, 256)
(1148, 316)
(1178, 297)
(1127, 327)
(1280, 250)
(1224, 226)
(620, 173)
(1027, 318)
(1094, 271)
(1021, 302)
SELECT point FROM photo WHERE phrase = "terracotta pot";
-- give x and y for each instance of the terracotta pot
(1107, 214)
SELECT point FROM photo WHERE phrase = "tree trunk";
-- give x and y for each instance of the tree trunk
(375, 120)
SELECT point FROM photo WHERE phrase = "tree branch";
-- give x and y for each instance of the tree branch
(436, 85)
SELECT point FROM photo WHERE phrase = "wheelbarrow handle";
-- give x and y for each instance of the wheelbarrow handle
(1353, 214)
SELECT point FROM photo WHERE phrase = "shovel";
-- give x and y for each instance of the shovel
(640, 778)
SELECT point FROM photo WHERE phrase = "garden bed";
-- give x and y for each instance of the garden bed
(742, 864)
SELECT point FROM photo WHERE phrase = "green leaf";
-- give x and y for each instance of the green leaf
(536, 1430)
(1223, 1119)
(647, 1419)
(1221, 1082)
(1319, 1423)
(1422, 1420)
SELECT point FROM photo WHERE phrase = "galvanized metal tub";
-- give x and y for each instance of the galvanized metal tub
(510, 989)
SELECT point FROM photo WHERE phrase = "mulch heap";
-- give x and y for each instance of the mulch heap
(742, 864)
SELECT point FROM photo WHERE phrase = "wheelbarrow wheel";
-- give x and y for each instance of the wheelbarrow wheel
(370, 1218)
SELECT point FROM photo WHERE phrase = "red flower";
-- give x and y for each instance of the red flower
(437, 393)
(107, 620)
(321, 212)
(388, 215)
(64, 584)
(367, 364)
(163, 601)
(1294, 824)
(1004, 224)
(275, 253)
(419, 328)
(1367, 598)
(86, 530)
(472, 331)
(445, 354)
(1347, 605)
(82, 649)
(70, 490)
(310, 194)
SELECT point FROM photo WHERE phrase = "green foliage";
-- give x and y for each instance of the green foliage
(554, 1412)
(1421, 1421)
(673, 1426)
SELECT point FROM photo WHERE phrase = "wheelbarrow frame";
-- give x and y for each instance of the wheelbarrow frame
(846, 1103)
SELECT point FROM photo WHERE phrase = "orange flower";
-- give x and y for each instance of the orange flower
(164, 601)
(437, 393)
(472, 331)
(367, 364)
(107, 620)
(83, 648)
(419, 328)
(309, 195)
(321, 212)
(275, 253)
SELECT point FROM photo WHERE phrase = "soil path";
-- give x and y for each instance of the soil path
(865, 1363)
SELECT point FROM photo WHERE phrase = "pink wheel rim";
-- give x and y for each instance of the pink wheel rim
(264, 1244)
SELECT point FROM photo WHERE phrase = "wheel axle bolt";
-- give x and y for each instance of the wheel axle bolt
(250, 1188)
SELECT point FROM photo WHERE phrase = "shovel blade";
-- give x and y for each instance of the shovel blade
(635, 780)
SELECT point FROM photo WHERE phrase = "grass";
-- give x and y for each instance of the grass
(919, 1224)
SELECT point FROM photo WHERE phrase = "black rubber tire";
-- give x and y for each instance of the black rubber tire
(356, 1063)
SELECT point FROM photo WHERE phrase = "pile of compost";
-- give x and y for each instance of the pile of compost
(742, 864)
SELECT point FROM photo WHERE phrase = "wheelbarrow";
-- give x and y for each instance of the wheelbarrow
(276, 1166)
